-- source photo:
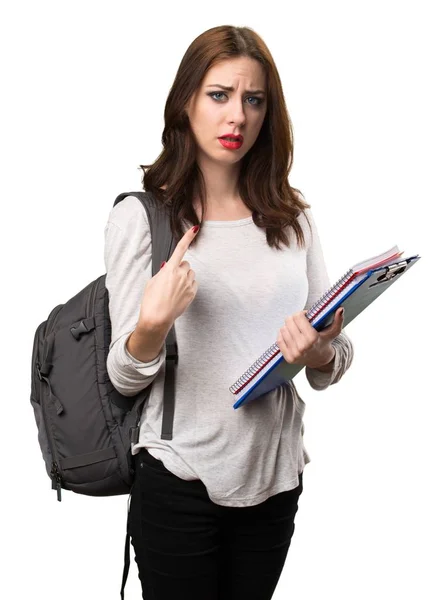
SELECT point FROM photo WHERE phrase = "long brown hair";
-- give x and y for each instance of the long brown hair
(263, 180)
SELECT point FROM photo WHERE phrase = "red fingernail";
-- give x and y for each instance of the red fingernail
(162, 264)
(195, 228)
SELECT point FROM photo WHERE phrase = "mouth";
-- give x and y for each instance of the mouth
(232, 138)
(232, 142)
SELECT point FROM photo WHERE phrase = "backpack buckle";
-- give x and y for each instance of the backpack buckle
(134, 434)
(172, 352)
(82, 328)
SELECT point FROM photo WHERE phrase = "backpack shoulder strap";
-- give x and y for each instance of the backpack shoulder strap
(163, 246)
(162, 239)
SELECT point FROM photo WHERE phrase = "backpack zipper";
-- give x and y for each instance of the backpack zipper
(55, 474)
(92, 295)
(55, 471)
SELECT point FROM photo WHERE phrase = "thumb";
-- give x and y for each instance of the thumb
(335, 327)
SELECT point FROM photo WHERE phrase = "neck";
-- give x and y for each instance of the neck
(221, 182)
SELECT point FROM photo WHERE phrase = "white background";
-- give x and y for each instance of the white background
(84, 88)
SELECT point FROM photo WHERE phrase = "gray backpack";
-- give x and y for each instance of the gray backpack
(85, 426)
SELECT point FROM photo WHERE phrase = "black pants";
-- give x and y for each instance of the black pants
(189, 548)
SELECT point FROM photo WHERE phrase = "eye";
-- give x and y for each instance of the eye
(212, 94)
(257, 103)
(259, 100)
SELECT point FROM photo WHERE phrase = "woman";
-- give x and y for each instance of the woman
(212, 510)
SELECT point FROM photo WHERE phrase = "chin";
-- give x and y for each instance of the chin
(222, 158)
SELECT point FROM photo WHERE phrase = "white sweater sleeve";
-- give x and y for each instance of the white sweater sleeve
(128, 262)
(318, 284)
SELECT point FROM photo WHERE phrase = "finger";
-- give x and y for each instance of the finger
(338, 319)
(182, 247)
(306, 328)
(284, 349)
(287, 344)
(335, 327)
(302, 332)
(294, 335)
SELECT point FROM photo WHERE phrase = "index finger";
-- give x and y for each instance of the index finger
(182, 246)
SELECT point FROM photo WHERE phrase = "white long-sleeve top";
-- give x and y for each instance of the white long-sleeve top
(246, 290)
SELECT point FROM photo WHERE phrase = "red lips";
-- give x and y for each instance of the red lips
(237, 138)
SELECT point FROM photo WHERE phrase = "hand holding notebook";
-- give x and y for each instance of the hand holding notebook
(301, 343)
(356, 290)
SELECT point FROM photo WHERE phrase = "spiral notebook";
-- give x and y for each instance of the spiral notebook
(355, 290)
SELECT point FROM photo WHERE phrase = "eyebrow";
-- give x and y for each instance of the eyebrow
(231, 89)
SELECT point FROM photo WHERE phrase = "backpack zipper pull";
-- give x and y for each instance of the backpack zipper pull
(56, 480)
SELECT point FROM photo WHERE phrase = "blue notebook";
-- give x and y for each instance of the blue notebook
(356, 290)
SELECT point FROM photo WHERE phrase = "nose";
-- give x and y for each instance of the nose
(236, 113)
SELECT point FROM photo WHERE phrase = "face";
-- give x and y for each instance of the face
(214, 111)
